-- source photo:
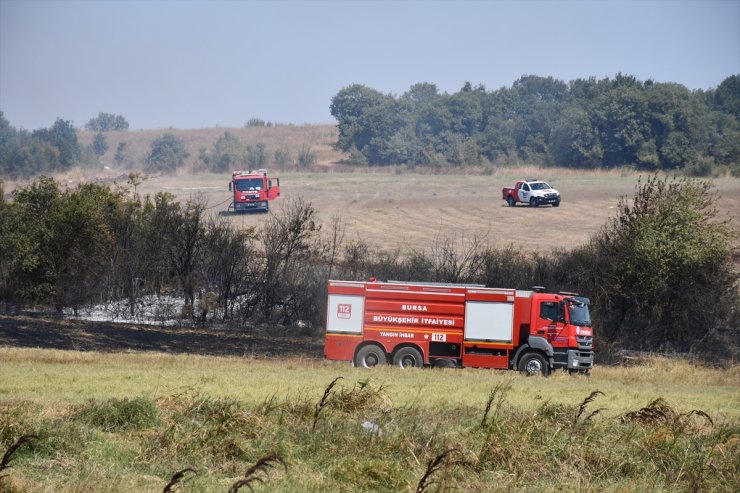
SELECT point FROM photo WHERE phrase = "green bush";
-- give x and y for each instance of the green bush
(119, 415)
(661, 272)
(166, 155)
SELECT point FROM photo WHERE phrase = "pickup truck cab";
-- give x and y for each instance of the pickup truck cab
(532, 192)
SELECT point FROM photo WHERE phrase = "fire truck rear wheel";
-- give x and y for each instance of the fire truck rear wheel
(370, 356)
(445, 363)
(408, 357)
(534, 364)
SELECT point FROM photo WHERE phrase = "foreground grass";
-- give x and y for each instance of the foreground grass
(128, 422)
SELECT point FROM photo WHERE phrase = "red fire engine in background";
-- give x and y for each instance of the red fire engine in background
(415, 324)
(253, 190)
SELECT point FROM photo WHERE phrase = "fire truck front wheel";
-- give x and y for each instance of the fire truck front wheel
(408, 357)
(370, 356)
(534, 364)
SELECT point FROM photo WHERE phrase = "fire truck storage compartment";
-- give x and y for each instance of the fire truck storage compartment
(489, 321)
(345, 313)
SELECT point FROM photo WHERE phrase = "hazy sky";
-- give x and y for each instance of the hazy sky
(193, 64)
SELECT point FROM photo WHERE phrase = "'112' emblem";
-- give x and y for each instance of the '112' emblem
(344, 310)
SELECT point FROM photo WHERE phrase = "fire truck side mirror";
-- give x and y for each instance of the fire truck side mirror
(229, 186)
(269, 184)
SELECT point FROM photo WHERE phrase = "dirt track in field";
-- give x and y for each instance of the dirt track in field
(50, 333)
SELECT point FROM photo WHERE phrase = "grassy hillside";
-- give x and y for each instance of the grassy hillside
(318, 138)
(123, 422)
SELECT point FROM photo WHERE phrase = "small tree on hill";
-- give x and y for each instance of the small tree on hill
(106, 122)
(99, 145)
(166, 155)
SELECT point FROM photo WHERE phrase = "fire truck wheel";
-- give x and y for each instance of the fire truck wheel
(370, 356)
(534, 364)
(445, 363)
(408, 357)
(511, 201)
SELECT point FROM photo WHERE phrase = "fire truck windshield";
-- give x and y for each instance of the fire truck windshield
(578, 311)
(248, 184)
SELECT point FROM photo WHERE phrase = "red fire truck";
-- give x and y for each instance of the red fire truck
(416, 324)
(253, 190)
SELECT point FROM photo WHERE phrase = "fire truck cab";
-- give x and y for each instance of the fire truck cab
(252, 190)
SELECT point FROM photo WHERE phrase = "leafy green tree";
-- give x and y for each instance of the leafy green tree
(364, 114)
(63, 137)
(106, 122)
(166, 155)
(257, 122)
(256, 155)
(55, 241)
(727, 96)
(575, 142)
(228, 154)
(124, 154)
(664, 256)
(100, 144)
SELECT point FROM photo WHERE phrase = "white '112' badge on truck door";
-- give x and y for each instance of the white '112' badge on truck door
(344, 310)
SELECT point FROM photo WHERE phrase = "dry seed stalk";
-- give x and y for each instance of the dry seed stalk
(262, 465)
(659, 412)
(591, 397)
(324, 401)
(498, 391)
(433, 466)
(655, 413)
(176, 478)
(8, 457)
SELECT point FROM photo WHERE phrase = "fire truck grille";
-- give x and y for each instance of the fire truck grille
(585, 342)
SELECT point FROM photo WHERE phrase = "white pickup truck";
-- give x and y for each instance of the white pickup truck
(532, 192)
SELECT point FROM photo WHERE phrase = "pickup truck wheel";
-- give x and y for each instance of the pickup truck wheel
(408, 357)
(511, 201)
(534, 364)
(534, 202)
(370, 356)
(556, 204)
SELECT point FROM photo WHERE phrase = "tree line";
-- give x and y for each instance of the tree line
(660, 274)
(585, 123)
(56, 149)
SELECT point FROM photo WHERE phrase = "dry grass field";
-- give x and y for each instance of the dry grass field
(394, 207)
(409, 210)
